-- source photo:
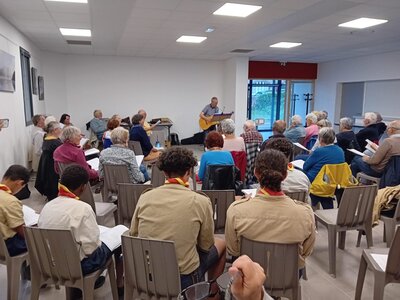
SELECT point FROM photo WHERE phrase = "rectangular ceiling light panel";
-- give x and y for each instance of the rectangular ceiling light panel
(191, 39)
(362, 23)
(285, 45)
(68, 1)
(75, 32)
(236, 10)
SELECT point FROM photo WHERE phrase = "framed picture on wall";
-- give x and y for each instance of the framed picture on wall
(41, 87)
(34, 81)
(7, 72)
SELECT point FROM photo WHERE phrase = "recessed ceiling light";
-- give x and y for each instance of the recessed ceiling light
(236, 10)
(75, 32)
(191, 39)
(210, 29)
(362, 23)
(69, 1)
(285, 45)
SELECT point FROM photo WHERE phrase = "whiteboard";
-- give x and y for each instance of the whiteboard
(383, 96)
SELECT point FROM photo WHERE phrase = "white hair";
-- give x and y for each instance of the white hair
(371, 117)
(68, 133)
(228, 126)
(312, 117)
(250, 124)
(346, 123)
(296, 120)
(326, 135)
(119, 136)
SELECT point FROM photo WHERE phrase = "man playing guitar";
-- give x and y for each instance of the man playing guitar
(207, 114)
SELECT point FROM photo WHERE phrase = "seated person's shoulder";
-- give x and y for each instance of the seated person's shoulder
(239, 203)
(303, 207)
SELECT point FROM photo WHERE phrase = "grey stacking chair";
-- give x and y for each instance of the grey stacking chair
(382, 277)
(54, 259)
(101, 209)
(354, 213)
(389, 225)
(281, 264)
(113, 174)
(157, 176)
(151, 269)
(13, 264)
(300, 196)
(220, 200)
(128, 196)
(136, 147)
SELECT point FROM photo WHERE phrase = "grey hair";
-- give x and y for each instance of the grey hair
(324, 123)
(371, 117)
(49, 119)
(53, 125)
(68, 132)
(250, 124)
(312, 117)
(296, 120)
(96, 111)
(326, 135)
(346, 123)
(228, 126)
(378, 117)
(119, 136)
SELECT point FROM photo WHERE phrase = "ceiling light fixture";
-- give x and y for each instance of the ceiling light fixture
(75, 32)
(191, 39)
(362, 23)
(236, 10)
(68, 1)
(285, 45)
(210, 29)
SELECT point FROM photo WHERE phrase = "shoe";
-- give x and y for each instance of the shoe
(99, 282)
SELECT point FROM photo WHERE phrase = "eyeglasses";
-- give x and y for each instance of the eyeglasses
(197, 291)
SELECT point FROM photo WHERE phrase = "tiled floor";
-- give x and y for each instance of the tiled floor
(320, 284)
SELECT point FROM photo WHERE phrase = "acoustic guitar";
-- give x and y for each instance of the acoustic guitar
(214, 121)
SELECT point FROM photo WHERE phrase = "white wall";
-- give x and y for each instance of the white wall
(15, 140)
(173, 88)
(384, 66)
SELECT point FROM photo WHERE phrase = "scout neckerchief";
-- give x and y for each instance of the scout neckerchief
(5, 188)
(290, 167)
(177, 180)
(65, 192)
(267, 192)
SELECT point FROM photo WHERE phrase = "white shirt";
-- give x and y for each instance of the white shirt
(37, 139)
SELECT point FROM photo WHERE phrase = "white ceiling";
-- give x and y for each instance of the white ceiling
(149, 28)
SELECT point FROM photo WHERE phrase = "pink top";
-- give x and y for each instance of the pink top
(310, 131)
(68, 153)
(235, 144)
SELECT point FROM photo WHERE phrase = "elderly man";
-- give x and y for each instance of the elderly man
(250, 134)
(37, 135)
(278, 128)
(209, 111)
(374, 165)
(346, 138)
(369, 132)
(296, 131)
(97, 124)
(146, 126)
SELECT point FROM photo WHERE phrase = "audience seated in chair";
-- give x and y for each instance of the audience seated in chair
(346, 139)
(65, 120)
(137, 133)
(231, 142)
(296, 132)
(47, 179)
(113, 123)
(278, 129)
(120, 154)
(380, 125)
(146, 126)
(174, 212)
(98, 124)
(214, 154)
(311, 129)
(68, 212)
(369, 132)
(271, 216)
(375, 165)
(11, 215)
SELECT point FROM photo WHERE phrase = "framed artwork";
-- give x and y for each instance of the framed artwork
(34, 81)
(7, 72)
(41, 87)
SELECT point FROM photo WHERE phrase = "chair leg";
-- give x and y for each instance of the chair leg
(88, 290)
(361, 277)
(332, 250)
(379, 285)
(368, 235)
(113, 281)
(389, 226)
(13, 278)
(342, 239)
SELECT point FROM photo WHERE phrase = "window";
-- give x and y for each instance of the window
(26, 85)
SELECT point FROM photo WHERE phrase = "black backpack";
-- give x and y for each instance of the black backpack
(175, 139)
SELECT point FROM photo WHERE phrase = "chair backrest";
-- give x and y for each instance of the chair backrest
(157, 176)
(62, 167)
(251, 155)
(391, 174)
(87, 196)
(393, 262)
(136, 147)
(128, 196)
(220, 201)
(114, 174)
(356, 206)
(53, 254)
(311, 142)
(4, 255)
(151, 268)
(219, 177)
(239, 157)
(280, 262)
(300, 195)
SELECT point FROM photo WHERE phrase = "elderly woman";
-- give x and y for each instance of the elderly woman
(231, 143)
(370, 131)
(120, 154)
(215, 154)
(346, 138)
(47, 179)
(312, 127)
(296, 131)
(71, 153)
(113, 123)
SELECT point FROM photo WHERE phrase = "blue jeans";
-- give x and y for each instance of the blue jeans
(326, 202)
(143, 169)
(16, 245)
(358, 165)
(96, 260)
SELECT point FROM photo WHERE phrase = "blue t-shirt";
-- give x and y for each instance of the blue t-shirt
(216, 157)
(137, 133)
(326, 155)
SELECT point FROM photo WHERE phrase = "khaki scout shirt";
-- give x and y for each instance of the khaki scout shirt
(274, 219)
(11, 215)
(175, 213)
(76, 215)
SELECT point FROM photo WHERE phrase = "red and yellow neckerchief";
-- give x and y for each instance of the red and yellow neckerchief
(290, 167)
(49, 138)
(177, 180)
(267, 192)
(5, 188)
(64, 191)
